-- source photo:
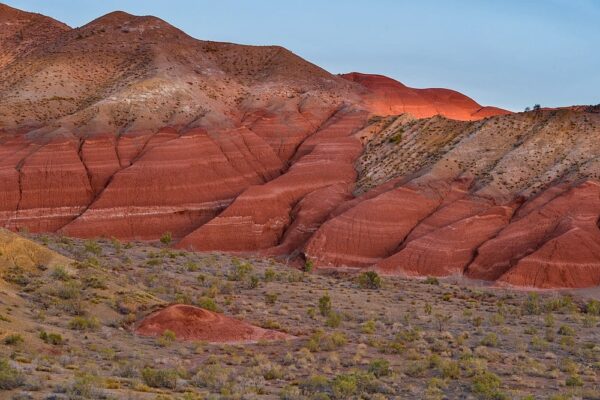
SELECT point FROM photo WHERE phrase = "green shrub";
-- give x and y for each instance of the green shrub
(85, 386)
(532, 304)
(207, 303)
(94, 282)
(308, 266)
(60, 273)
(10, 378)
(240, 271)
(334, 319)
(93, 247)
(68, 290)
(325, 305)
(416, 369)
(487, 385)
(566, 330)
(166, 238)
(574, 381)
(431, 280)
(490, 340)
(270, 298)
(397, 138)
(13, 339)
(428, 308)
(84, 323)
(16, 275)
(450, 369)
(320, 341)
(167, 338)
(254, 282)
(593, 307)
(160, 378)
(51, 338)
(211, 376)
(368, 327)
(380, 367)
(369, 280)
(314, 384)
(269, 275)
(344, 386)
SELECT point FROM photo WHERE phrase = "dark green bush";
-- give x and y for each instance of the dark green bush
(369, 280)
(160, 378)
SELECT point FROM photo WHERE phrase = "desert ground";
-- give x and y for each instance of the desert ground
(68, 332)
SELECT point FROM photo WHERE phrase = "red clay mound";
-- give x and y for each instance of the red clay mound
(386, 96)
(193, 323)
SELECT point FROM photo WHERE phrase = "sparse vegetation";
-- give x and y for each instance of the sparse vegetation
(10, 377)
(369, 280)
(354, 338)
(166, 238)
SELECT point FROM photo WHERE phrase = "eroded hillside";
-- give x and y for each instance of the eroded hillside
(514, 198)
(127, 127)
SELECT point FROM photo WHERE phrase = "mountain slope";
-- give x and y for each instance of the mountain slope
(127, 127)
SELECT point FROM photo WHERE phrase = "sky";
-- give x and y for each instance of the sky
(510, 53)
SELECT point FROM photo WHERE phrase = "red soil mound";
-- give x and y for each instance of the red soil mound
(193, 323)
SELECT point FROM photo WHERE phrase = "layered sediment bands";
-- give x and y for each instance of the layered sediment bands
(538, 242)
(101, 160)
(11, 155)
(571, 260)
(178, 185)
(258, 218)
(194, 323)
(128, 127)
(308, 215)
(447, 250)
(54, 188)
(374, 228)
(284, 130)
(517, 221)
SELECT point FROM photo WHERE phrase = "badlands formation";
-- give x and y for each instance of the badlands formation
(128, 128)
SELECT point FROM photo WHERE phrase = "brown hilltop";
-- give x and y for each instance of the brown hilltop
(22, 32)
(128, 127)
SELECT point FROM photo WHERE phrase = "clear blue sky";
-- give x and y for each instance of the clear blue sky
(509, 53)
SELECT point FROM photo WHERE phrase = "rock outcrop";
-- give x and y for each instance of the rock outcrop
(555, 245)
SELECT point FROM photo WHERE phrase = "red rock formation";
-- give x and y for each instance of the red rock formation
(308, 215)
(386, 96)
(54, 188)
(177, 185)
(258, 218)
(101, 160)
(448, 249)
(253, 149)
(374, 228)
(571, 260)
(194, 323)
(536, 248)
